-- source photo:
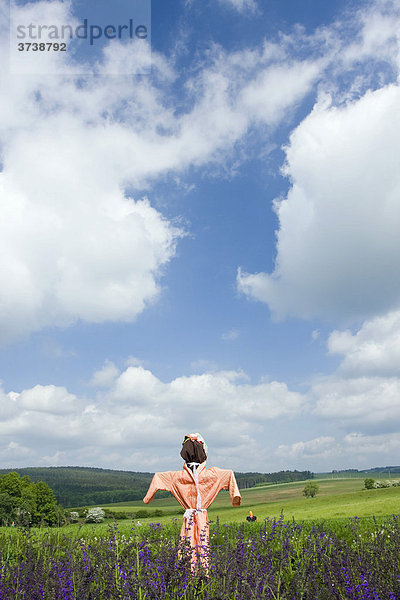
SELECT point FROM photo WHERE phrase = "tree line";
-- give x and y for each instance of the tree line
(86, 486)
(248, 480)
(23, 502)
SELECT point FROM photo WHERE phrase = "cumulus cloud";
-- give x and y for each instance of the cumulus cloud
(105, 376)
(364, 390)
(75, 244)
(133, 406)
(370, 402)
(374, 349)
(385, 445)
(359, 401)
(378, 35)
(326, 452)
(320, 447)
(47, 399)
(338, 241)
(129, 406)
(85, 249)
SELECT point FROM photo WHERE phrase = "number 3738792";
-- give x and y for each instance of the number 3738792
(42, 47)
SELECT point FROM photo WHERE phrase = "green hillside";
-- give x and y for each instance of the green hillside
(85, 485)
(338, 498)
(81, 486)
(375, 472)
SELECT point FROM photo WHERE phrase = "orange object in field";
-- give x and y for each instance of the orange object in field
(195, 497)
(251, 518)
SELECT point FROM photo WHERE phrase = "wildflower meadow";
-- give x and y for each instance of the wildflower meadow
(273, 559)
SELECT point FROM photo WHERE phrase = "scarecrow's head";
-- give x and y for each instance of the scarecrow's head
(194, 448)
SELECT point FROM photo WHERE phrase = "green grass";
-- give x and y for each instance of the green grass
(337, 501)
(338, 498)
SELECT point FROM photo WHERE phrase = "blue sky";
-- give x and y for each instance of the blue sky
(210, 247)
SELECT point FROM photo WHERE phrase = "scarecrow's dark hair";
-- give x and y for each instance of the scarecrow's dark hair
(193, 451)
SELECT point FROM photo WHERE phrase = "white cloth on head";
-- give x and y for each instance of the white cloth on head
(199, 438)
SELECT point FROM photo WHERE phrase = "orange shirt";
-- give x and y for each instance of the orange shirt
(182, 485)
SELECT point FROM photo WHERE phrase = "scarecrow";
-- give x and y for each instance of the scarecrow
(195, 488)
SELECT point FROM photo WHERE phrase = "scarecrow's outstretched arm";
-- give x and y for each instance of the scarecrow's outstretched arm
(228, 482)
(160, 481)
(233, 488)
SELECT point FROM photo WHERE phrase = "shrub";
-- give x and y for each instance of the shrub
(382, 484)
(141, 514)
(95, 515)
(311, 490)
(369, 483)
(121, 515)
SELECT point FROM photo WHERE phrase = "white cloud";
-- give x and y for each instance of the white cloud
(241, 420)
(69, 258)
(277, 89)
(379, 34)
(14, 452)
(364, 391)
(386, 446)
(48, 399)
(359, 401)
(320, 447)
(373, 350)
(74, 246)
(370, 402)
(338, 241)
(326, 452)
(85, 251)
(115, 428)
(105, 376)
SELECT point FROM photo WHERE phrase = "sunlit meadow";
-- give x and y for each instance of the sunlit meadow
(273, 559)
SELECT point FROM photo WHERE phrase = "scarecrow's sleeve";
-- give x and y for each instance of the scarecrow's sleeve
(228, 482)
(160, 481)
(233, 488)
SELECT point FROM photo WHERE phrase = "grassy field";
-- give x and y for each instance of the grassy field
(140, 559)
(338, 498)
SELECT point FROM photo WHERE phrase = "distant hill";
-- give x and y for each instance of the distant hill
(85, 486)
(81, 486)
(379, 472)
(248, 480)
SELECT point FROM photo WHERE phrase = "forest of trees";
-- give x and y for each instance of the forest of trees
(23, 502)
(247, 480)
(85, 486)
